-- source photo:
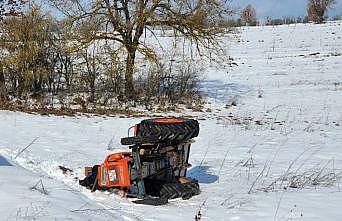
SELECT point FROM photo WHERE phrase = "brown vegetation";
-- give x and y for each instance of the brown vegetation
(248, 16)
(88, 60)
(316, 9)
(7, 8)
(124, 23)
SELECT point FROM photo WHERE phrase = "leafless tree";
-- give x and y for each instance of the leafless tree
(316, 9)
(125, 22)
(91, 62)
(3, 94)
(248, 15)
(24, 39)
(7, 8)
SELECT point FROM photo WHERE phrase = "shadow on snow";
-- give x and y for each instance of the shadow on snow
(202, 174)
(4, 161)
(220, 91)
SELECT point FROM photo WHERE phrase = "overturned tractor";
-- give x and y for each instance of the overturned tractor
(155, 169)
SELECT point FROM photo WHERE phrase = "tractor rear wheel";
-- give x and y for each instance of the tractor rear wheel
(170, 130)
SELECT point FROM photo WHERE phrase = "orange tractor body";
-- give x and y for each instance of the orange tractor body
(155, 169)
(114, 171)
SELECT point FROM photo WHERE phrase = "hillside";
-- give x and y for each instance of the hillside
(269, 146)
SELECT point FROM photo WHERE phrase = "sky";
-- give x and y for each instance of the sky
(282, 8)
(271, 8)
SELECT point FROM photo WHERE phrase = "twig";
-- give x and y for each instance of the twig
(275, 155)
(109, 146)
(306, 159)
(42, 189)
(32, 142)
(278, 206)
(83, 206)
(336, 177)
(250, 150)
(198, 215)
(86, 210)
(321, 170)
(224, 159)
(224, 201)
(256, 180)
(206, 151)
(94, 184)
(291, 164)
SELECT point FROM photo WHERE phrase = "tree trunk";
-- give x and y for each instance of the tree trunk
(92, 89)
(129, 84)
(321, 18)
(3, 93)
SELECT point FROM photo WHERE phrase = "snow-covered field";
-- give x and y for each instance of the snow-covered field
(276, 155)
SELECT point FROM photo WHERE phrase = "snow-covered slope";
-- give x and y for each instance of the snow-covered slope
(29, 196)
(275, 156)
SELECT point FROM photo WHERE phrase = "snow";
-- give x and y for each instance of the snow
(287, 122)
(20, 201)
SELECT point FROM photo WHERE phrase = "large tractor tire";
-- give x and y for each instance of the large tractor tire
(169, 131)
(162, 192)
(173, 130)
(180, 190)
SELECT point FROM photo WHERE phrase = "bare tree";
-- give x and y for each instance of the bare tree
(316, 9)
(91, 62)
(125, 21)
(248, 15)
(7, 8)
(3, 93)
(24, 41)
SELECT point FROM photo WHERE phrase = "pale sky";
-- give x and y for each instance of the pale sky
(272, 8)
(281, 8)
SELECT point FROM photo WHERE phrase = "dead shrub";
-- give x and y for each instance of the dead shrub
(324, 175)
(176, 84)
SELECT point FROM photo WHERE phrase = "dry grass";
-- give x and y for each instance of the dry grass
(68, 111)
(323, 175)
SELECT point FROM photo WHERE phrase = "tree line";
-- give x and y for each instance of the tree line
(90, 56)
(316, 12)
